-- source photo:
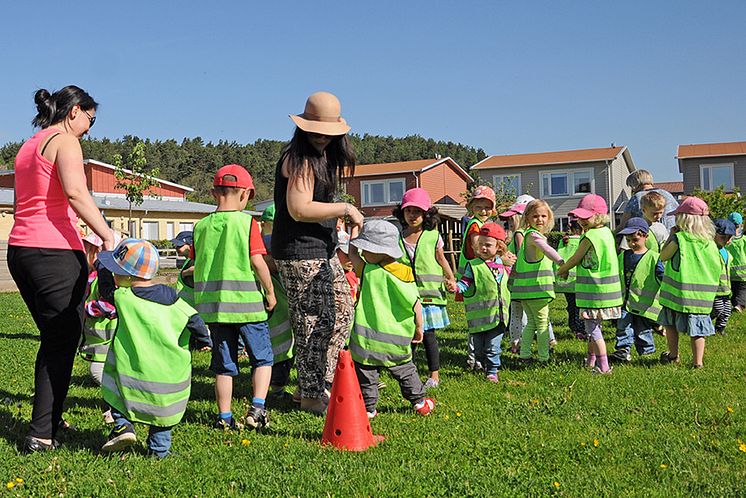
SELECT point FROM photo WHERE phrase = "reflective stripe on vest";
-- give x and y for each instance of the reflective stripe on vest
(691, 288)
(225, 288)
(531, 280)
(428, 273)
(147, 375)
(600, 287)
(566, 250)
(462, 257)
(641, 298)
(280, 330)
(97, 331)
(737, 251)
(489, 303)
(384, 319)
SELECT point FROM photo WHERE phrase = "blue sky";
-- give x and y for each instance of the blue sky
(509, 77)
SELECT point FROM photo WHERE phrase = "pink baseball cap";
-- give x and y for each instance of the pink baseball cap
(483, 192)
(518, 207)
(692, 205)
(417, 197)
(589, 206)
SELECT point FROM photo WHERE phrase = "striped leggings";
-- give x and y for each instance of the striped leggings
(721, 311)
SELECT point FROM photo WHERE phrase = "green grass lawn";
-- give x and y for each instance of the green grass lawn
(646, 430)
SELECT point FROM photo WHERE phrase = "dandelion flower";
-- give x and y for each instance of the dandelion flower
(742, 447)
(730, 409)
(596, 442)
(458, 414)
(19, 480)
(556, 484)
(664, 466)
(245, 442)
(10, 485)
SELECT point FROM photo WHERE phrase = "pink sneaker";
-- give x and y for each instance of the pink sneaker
(493, 378)
(425, 407)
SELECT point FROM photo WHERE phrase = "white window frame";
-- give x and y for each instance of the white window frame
(570, 182)
(386, 190)
(170, 227)
(149, 224)
(499, 180)
(186, 226)
(708, 168)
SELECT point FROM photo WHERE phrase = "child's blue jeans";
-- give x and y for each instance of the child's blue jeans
(488, 347)
(159, 438)
(637, 330)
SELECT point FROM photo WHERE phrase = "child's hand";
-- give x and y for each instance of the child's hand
(451, 285)
(418, 336)
(270, 301)
(509, 258)
(204, 349)
(563, 275)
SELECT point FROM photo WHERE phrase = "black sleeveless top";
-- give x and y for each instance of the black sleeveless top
(298, 240)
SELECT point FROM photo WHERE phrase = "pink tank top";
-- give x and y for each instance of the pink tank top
(43, 217)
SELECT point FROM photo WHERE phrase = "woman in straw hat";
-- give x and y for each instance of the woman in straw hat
(304, 241)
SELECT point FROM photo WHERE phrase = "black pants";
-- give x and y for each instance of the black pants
(739, 293)
(52, 282)
(432, 351)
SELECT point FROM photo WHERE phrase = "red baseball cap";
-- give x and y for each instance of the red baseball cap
(243, 178)
(493, 230)
(589, 206)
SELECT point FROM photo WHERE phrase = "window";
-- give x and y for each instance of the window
(133, 229)
(382, 192)
(566, 183)
(507, 183)
(186, 227)
(150, 230)
(712, 176)
(170, 230)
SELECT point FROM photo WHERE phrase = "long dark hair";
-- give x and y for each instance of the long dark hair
(430, 218)
(338, 157)
(52, 108)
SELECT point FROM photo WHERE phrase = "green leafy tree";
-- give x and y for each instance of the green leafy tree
(132, 177)
(505, 195)
(722, 203)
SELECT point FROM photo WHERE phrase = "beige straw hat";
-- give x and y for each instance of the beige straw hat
(322, 115)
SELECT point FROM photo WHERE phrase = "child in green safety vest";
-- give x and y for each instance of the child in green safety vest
(641, 272)
(567, 247)
(233, 292)
(423, 251)
(184, 245)
(147, 375)
(280, 328)
(484, 286)
(388, 317)
(737, 251)
(653, 206)
(691, 280)
(598, 288)
(722, 308)
(532, 279)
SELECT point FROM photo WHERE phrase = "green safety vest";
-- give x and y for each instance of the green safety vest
(531, 280)
(384, 319)
(97, 332)
(692, 287)
(280, 330)
(600, 287)
(512, 243)
(489, 303)
(566, 251)
(183, 289)
(462, 257)
(148, 371)
(652, 243)
(724, 288)
(641, 298)
(737, 250)
(225, 288)
(428, 274)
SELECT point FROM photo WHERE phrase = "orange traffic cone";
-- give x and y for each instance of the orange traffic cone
(347, 426)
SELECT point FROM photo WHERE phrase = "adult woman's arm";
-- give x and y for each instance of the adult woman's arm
(303, 208)
(69, 161)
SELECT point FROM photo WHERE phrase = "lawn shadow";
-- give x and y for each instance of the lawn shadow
(13, 430)
(19, 335)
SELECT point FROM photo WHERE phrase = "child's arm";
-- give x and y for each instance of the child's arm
(440, 257)
(670, 247)
(542, 245)
(518, 237)
(262, 273)
(584, 246)
(418, 323)
(466, 282)
(199, 332)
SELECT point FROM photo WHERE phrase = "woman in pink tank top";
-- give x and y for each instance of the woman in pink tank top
(45, 253)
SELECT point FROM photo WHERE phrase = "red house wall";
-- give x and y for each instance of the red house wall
(443, 181)
(353, 188)
(101, 180)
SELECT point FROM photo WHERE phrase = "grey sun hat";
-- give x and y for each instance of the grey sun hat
(380, 237)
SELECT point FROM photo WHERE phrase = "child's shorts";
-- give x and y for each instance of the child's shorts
(225, 346)
(687, 323)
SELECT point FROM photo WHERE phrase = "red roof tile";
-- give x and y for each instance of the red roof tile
(545, 158)
(711, 150)
(671, 187)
